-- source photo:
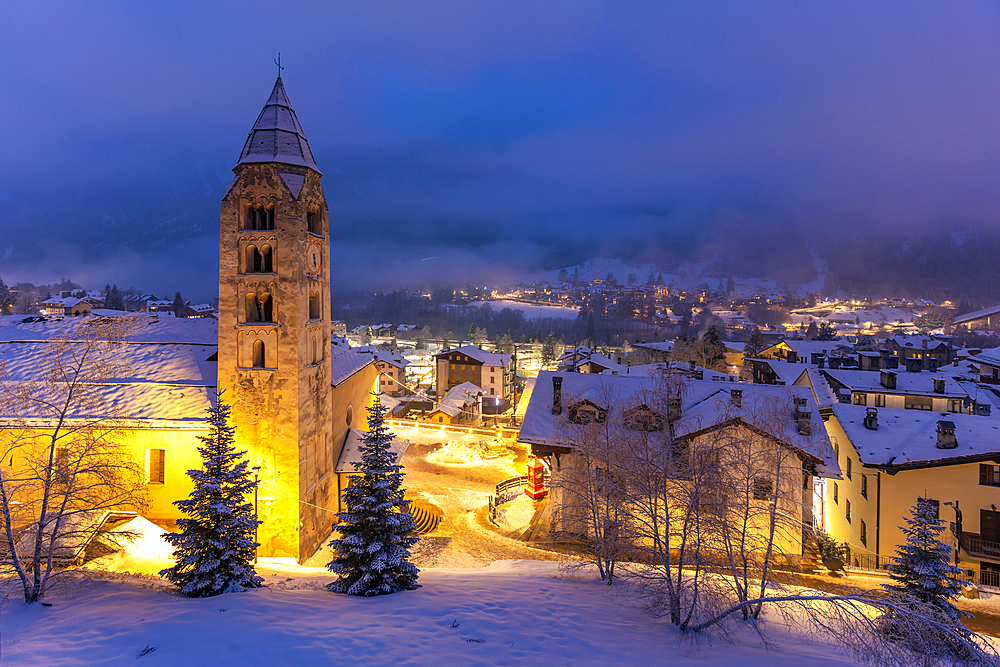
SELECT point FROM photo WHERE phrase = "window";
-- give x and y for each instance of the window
(312, 222)
(156, 466)
(258, 354)
(879, 400)
(643, 418)
(763, 488)
(989, 475)
(836, 493)
(935, 504)
(836, 449)
(864, 533)
(864, 486)
(266, 259)
(847, 503)
(315, 310)
(259, 308)
(848, 471)
(492, 391)
(585, 412)
(860, 398)
(259, 216)
(492, 380)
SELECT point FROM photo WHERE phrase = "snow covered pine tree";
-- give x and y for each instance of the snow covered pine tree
(922, 567)
(376, 532)
(214, 552)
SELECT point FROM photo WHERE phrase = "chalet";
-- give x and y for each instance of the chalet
(918, 350)
(584, 360)
(68, 305)
(463, 404)
(493, 371)
(138, 303)
(890, 458)
(563, 401)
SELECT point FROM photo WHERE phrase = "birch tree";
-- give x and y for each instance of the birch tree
(64, 459)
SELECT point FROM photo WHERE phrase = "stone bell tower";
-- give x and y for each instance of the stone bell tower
(274, 319)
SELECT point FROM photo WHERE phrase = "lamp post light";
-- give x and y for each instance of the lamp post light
(256, 485)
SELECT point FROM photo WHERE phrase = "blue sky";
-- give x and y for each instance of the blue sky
(510, 135)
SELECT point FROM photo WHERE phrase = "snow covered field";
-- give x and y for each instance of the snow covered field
(531, 311)
(511, 612)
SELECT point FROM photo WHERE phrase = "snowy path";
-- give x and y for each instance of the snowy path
(464, 538)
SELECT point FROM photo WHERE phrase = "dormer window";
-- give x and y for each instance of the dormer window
(586, 412)
(643, 418)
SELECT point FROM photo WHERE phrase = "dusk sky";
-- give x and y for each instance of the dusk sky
(494, 137)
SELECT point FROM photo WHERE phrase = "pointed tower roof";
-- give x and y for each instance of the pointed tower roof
(277, 135)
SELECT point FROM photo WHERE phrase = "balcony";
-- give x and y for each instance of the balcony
(977, 547)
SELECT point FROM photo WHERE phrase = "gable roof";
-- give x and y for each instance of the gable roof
(482, 356)
(704, 405)
(908, 438)
(277, 135)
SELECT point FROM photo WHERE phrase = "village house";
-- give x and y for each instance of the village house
(988, 362)
(890, 458)
(65, 305)
(936, 392)
(930, 353)
(987, 318)
(702, 413)
(492, 371)
(391, 367)
(462, 405)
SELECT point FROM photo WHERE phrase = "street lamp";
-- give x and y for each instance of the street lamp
(256, 484)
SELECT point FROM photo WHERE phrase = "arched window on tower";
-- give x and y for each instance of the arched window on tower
(258, 354)
(268, 217)
(267, 259)
(252, 264)
(314, 307)
(315, 351)
(312, 222)
(265, 305)
(252, 314)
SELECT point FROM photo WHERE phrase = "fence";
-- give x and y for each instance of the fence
(984, 579)
(504, 495)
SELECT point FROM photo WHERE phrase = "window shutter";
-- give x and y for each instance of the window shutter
(984, 474)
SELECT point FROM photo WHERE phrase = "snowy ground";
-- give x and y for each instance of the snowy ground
(531, 310)
(486, 599)
(512, 612)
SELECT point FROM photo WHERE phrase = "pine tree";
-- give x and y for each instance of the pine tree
(921, 568)
(549, 351)
(376, 532)
(215, 550)
(179, 305)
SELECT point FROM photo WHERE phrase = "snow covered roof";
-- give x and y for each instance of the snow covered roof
(906, 383)
(909, 437)
(985, 312)
(990, 357)
(351, 453)
(786, 372)
(277, 135)
(704, 404)
(388, 356)
(345, 362)
(487, 358)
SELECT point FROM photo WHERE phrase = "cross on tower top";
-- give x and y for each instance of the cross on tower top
(277, 62)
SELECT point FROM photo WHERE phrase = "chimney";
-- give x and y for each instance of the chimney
(691, 366)
(736, 395)
(938, 385)
(557, 395)
(822, 362)
(674, 407)
(871, 419)
(946, 435)
(803, 420)
(924, 341)
(888, 379)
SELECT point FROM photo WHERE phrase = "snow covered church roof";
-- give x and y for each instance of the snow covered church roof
(277, 135)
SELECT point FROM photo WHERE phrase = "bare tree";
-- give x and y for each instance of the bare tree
(695, 510)
(65, 463)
